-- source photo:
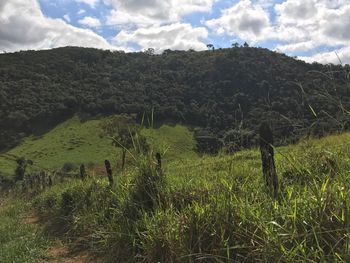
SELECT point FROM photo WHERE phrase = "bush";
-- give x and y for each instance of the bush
(69, 167)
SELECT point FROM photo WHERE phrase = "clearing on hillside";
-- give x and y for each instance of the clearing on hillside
(79, 142)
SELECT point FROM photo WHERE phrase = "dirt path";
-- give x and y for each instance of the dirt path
(60, 252)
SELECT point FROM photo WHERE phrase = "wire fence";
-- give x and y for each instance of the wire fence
(14, 158)
(203, 163)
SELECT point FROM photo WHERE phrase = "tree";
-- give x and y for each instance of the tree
(186, 87)
(150, 51)
(246, 44)
(211, 47)
(236, 44)
(237, 139)
(166, 52)
(21, 168)
(124, 133)
(206, 142)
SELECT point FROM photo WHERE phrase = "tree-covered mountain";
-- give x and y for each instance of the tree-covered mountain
(225, 93)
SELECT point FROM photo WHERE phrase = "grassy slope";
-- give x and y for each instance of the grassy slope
(218, 208)
(215, 207)
(76, 142)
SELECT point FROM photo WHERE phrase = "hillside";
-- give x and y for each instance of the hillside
(75, 142)
(212, 209)
(226, 93)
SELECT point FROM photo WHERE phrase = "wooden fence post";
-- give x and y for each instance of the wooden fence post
(159, 163)
(37, 182)
(267, 158)
(61, 175)
(82, 172)
(24, 187)
(159, 160)
(30, 180)
(43, 179)
(109, 172)
(50, 181)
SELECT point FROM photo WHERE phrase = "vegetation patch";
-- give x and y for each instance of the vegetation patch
(20, 241)
(212, 209)
(74, 142)
(225, 93)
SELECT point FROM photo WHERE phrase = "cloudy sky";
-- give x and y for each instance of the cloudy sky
(314, 30)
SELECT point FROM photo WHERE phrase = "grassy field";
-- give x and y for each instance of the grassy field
(81, 142)
(208, 209)
(215, 209)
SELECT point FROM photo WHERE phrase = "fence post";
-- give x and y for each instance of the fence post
(267, 158)
(50, 181)
(24, 187)
(61, 175)
(30, 180)
(37, 182)
(109, 172)
(159, 163)
(82, 172)
(43, 179)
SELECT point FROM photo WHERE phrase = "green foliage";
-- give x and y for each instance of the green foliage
(148, 185)
(125, 134)
(217, 91)
(238, 139)
(68, 167)
(207, 142)
(21, 168)
(120, 129)
(211, 209)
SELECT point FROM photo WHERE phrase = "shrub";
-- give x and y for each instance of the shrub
(68, 167)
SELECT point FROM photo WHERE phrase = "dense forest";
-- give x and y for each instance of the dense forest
(222, 94)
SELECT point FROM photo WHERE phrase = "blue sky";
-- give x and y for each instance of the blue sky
(313, 30)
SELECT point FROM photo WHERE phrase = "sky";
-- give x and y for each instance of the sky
(312, 30)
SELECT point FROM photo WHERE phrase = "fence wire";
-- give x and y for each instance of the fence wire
(206, 164)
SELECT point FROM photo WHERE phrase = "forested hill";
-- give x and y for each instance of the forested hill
(226, 92)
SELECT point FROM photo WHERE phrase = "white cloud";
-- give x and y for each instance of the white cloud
(321, 22)
(265, 3)
(331, 56)
(23, 26)
(333, 3)
(81, 11)
(298, 25)
(91, 3)
(151, 12)
(90, 22)
(125, 19)
(336, 24)
(156, 23)
(67, 17)
(295, 47)
(244, 19)
(176, 36)
(315, 23)
(293, 10)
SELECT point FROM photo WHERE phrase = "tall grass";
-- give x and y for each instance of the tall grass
(214, 209)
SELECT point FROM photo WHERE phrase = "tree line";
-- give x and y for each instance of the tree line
(222, 94)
